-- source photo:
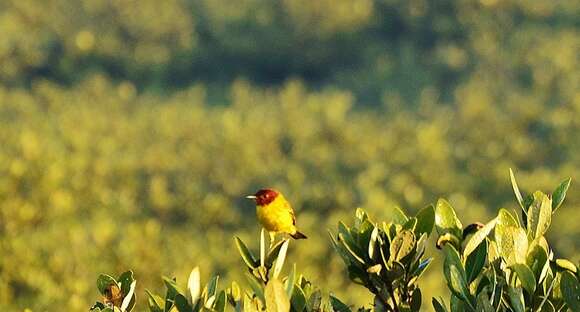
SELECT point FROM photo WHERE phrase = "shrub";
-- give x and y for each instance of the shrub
(512, 270)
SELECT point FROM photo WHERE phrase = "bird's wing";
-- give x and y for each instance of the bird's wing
(291, 211)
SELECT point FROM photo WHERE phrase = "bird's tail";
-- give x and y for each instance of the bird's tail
(298, 235)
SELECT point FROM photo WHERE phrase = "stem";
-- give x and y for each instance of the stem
(392, 294)
(385, 301)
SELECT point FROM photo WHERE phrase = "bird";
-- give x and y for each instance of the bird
(275, 213)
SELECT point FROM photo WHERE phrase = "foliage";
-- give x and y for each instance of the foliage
(514, 269)
(118, 294)
(134, 127)
(387, 258)
(268, 289)
(141, 178)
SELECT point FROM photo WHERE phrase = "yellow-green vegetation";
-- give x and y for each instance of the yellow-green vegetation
(514, 269)
(131, 130)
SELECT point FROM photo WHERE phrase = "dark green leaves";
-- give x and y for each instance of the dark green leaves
(526, 276)
(455, 274)
(438, 304)
(475, 262)
(516, 298)
(338, 305)
(385, 255)
(425, 221)
(570, 288)
(246, 254)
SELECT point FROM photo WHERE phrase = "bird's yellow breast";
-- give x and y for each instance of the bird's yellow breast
(277, 216)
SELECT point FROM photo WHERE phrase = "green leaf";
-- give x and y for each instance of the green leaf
(182, 304)
(438, 304)
(342, 252)
(262, 247)
(446, 220)
(402, 245)
(373, 242)
(425, 221)
(455, 274)
(458, 284)
(537, 260)
(172, 291)
(505, 219)
(452, 258)
(256, 287)
(566, 265)
(512, 243)
(338, 305)
(539, 215)
(456, 304)
(290, 281)
(399, 216)
(246, 254)
(517, 191)
(281, 258)
(350, 246)
(416, 299)
(479, 237)
(526, 277)
(559, 194)
(211, 287)
(273, 253)
(155, 302)
(276, 298)
(410, 224)
(298, 300)
(570, 288)
(220, 303)
(129, 300)
(483, 303)
(356, 274)
(103, 282)
(475, 262)
(516, 297)
(194, 285)
(125, 280)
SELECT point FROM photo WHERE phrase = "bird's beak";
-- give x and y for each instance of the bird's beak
(251, 197)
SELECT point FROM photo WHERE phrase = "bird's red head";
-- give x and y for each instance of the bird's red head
(264, 196)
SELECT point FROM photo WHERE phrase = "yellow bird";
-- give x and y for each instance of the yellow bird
(275, 213)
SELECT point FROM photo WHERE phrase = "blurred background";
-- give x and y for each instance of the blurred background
(130, 130)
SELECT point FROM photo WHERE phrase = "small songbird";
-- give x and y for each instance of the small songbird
(275, 213)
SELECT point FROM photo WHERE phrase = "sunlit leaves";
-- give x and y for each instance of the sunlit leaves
(446, 220)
